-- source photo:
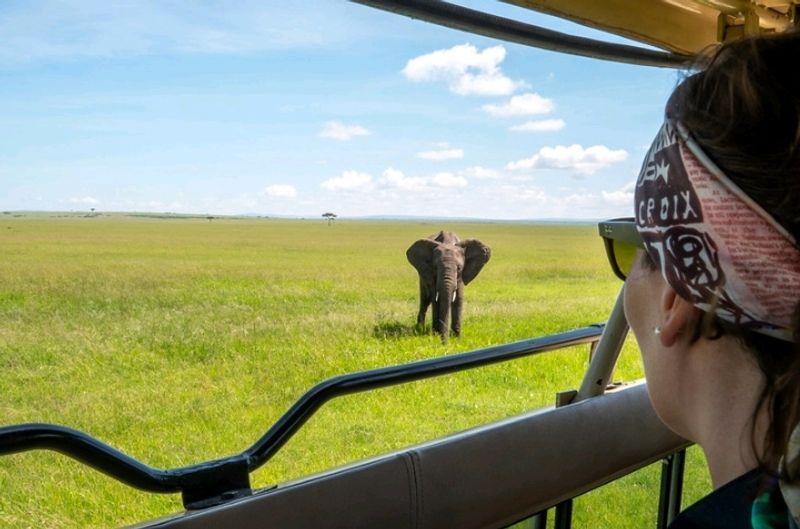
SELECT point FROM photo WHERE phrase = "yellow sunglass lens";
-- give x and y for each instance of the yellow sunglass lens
(624, 255)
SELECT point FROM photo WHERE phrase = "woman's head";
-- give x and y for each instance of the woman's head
(743, 108)
(718, 207)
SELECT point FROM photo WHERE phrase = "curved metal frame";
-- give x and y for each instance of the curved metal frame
(217, 481)
(478, 22)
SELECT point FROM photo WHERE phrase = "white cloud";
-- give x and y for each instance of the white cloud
(89, 201)
(480, 172)
(443, 154)
(393, 175)
(544, 125)
(394, 178)
(448, 180)
(280, 191)
(527, 201)
(466, 70)
(339, 131)
(617, 198)
(349, 181)
(574, 157)
(620, 197)
(521, 105)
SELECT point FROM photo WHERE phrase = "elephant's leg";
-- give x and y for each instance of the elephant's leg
(423, 309)
(424, 301)
(455, 324)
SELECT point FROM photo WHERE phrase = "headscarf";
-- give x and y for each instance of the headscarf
(715, 246)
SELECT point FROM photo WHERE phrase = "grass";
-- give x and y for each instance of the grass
(183, 339)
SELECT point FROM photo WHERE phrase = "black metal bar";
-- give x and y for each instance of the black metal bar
(228, 477)
(663, 492)
(669, 497)
(539, 521)
(563, 518)
(88, 450)
(305, 407)
(459, 17)
(676, 492)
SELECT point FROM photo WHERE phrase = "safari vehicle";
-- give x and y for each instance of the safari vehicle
(523, 470)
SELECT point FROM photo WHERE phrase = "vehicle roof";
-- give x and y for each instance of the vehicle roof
(678, 29)
(680, 26)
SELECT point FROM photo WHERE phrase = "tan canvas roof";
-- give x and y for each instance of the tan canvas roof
(680, 26)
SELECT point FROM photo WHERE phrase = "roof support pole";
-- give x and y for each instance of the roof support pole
(598, 375)
(488, 25)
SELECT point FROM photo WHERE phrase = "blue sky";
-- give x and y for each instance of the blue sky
(298, 108)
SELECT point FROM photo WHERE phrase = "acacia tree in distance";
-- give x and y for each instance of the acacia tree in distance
(330, 216)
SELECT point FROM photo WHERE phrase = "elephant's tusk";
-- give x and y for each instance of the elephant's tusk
(454, 298)
(437, 298)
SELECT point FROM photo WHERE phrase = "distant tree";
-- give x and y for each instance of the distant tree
(330, 216)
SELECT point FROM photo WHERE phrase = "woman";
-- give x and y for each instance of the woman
(713, 296)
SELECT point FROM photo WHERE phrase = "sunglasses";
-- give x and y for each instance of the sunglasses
(621, 239)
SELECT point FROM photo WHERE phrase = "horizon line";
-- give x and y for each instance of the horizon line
(167, 214)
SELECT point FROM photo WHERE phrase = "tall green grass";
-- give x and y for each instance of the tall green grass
(183, 340)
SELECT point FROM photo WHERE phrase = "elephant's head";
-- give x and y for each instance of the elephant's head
(446, 237)
(444, 269)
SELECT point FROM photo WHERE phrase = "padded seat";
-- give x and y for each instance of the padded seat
(486, 477)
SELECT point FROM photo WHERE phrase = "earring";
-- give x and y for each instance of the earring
(657, 331)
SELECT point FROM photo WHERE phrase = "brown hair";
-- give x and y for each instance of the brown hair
(743, 108)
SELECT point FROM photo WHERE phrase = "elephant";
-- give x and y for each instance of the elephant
(445, 265)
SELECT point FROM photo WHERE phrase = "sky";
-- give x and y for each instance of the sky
(286, 108)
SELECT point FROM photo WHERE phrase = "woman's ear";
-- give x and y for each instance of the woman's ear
(677, 316)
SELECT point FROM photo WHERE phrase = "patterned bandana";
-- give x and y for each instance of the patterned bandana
(714, 245)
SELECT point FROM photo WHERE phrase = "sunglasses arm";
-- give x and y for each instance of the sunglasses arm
(605, 355)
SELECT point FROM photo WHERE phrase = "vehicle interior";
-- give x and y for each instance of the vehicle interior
(523, 471)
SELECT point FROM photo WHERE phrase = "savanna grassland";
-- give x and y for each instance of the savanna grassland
(181, 340)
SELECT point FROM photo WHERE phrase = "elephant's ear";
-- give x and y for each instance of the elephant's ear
(420, 255)
(476, 254)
